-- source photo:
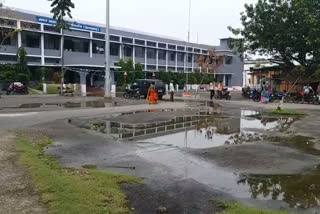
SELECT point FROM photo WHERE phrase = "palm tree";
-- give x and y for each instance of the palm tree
(60, 9)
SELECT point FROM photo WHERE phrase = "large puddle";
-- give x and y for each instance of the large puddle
(161, 136)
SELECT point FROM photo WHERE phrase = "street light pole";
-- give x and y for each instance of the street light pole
(189, 26)
(107, 85)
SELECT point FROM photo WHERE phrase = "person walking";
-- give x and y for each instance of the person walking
(152, 95)
(212, 90)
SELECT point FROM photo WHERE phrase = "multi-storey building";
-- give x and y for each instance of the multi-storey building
(84, 47)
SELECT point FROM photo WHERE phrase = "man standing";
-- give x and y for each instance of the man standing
(212, 90)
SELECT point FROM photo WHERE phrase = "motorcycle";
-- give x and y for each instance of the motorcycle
(131, 93)
(246, 92)
(17, 88)
(317, 99)
(256, 95)
(224, 94)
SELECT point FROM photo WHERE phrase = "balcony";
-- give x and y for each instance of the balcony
(162, 62)
(151, 61)
(171, 63)
(9, 49)
(181, 64)
(52, 52)
(33, 51)
(139, 59)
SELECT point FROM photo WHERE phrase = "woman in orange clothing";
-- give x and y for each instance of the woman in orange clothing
(152, 95)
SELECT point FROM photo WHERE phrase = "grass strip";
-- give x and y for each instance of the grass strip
(286, 112)
(235, 208)
(72, 191)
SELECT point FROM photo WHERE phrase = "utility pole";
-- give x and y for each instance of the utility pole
(107, 85)
(189, 28)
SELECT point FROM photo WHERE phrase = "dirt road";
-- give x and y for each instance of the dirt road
(17, 195)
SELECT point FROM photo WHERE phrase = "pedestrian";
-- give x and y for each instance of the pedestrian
(212, 90)
(171, 92)
(307, 89)
(152, 95)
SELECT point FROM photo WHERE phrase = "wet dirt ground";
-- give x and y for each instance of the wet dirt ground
(17, 193)
(197, 155)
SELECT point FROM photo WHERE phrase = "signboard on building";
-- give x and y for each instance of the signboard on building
(73, 25)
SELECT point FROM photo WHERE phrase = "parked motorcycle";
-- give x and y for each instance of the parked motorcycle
(317, 99)
(17, 88)
(246, 92)
(224, 94)
(256, 95)
(131, 93)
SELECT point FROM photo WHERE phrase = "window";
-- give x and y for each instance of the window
(98, 36)
(114, 38)
(139, 52)
(126, 40)
(76, 45)
(196, 58)
(114, 49)
(197, 50)
(228, 60)
(162, 54)
(127, 50)
(31, 26)
(204, 51)
(151, 44)
(151, 53)
(172, 56)
(180, 57)
(8, 22)
(189, 58)
(31, 39)
(11, 40)
(162, 45)
(151, 67)
(190, 49)
(181, 48)
(51, 42)
(51, 29)
(139, 42)
(52, 61)
(98, 47)
(172, 47)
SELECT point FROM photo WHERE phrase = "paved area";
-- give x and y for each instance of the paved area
(17, 195)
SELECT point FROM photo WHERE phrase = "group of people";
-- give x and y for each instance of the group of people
(213, 89)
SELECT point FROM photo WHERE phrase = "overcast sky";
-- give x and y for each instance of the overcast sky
(209, 18)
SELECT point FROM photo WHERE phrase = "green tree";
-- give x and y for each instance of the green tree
(287, 30)
(138, 67)
(60, 9)
(129, 65)
(23, 72)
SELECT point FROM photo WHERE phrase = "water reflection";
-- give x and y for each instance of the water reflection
(298, 191)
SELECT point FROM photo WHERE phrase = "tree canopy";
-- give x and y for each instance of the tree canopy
(60, 9)
(286, 30)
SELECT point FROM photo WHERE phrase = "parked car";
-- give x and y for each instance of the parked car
(144, 84)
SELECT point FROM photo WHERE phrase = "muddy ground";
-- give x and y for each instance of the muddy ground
(179, 179)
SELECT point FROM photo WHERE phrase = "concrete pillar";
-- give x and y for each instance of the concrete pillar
(42, 46)
(167, 58)
(134, 56)
(157, 59)
(91, 80)
(176, 61)
(19, 34)
(120, 51)
(192, 63)
(177, 87)
(145, 58)
(83, 84)
(44, 88)
(113, 91)
(224, 80)
(90, 45)
(167, 89)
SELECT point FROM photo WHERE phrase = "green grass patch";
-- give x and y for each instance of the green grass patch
(286, 112)
(72, 191)
(33, 91)
(53, 89)
(235, 208)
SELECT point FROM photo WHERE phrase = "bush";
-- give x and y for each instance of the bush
(40, 87)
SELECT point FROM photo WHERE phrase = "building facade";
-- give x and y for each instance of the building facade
(84, 47)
